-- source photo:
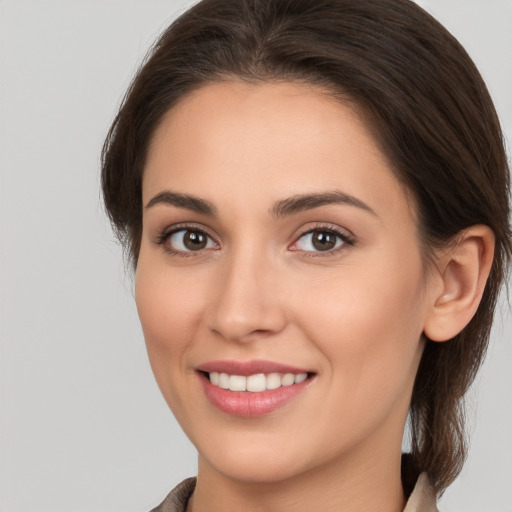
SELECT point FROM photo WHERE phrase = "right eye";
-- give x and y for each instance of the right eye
(189, 240)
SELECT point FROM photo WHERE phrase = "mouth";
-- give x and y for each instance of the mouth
(254, 388)
(255, 383)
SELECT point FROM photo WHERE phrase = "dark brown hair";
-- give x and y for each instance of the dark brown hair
(426, 104)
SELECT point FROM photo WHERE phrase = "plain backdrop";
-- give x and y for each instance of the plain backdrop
(83, 426)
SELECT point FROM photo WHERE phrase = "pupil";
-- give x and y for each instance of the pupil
(323, 241)
(194, 240)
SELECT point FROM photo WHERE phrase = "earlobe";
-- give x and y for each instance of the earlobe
(463, 271)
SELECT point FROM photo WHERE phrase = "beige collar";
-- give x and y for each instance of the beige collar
(423, 497)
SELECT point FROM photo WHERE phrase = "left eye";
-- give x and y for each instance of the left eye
(187, 240)
(320, 240)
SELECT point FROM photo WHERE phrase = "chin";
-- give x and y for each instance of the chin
(251, 461)
(255, 471)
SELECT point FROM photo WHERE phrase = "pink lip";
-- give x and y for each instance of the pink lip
(245, 403)
(246, 368)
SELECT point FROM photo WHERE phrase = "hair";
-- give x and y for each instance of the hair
(426, 105)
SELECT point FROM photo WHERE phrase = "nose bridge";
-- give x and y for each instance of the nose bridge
(246, 303)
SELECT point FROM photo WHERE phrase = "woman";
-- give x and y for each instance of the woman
(314, 196)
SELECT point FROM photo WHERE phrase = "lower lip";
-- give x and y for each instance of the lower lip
(249, 404)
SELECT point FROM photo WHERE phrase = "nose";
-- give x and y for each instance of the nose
(245, 305)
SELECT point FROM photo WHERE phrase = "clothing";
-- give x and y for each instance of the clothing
(422, 499)
(177, 499)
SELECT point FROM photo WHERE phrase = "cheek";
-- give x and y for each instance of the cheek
(169, 313)
(368, 325)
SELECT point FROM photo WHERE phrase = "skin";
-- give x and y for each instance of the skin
(259, 290)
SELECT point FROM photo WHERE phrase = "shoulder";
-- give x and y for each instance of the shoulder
(177, 499)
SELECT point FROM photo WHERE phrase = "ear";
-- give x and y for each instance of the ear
(463, 271)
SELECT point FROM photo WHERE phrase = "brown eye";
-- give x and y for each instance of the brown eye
(194, 240)
(187, 240)
(321, 240)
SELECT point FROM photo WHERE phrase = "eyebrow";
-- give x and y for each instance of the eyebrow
(187, 201)
(282, 208)
(303, 202)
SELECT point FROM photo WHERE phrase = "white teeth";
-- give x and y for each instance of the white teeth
(223, 381)
(288, 379)
(255, 383)
(273, 381)
(301, 377)
(237, 383)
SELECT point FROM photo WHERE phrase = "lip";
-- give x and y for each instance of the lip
(246, 368)
(250, 404)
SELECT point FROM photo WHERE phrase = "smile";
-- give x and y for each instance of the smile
(254, 388)
(255, 383)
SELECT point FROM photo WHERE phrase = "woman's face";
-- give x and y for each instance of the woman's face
(276, 240)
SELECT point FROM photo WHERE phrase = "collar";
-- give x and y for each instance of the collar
(422, 499)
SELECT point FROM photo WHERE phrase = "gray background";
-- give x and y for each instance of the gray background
(83, 426)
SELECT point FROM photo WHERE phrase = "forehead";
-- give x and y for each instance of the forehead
(266, 139)
(288, 111)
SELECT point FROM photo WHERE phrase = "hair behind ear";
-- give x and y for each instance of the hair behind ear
(456, 345)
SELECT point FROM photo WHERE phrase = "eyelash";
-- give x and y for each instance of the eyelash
(163, 238)
(168, 233)
(346, 240)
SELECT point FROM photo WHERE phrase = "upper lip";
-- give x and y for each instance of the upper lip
(246, 368)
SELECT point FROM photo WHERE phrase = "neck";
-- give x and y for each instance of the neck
(355, 483)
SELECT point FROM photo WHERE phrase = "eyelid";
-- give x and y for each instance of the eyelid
(344, 234)
(164, 235)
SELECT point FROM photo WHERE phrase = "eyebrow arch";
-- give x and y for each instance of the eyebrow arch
(187, 201)
(299, 203)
